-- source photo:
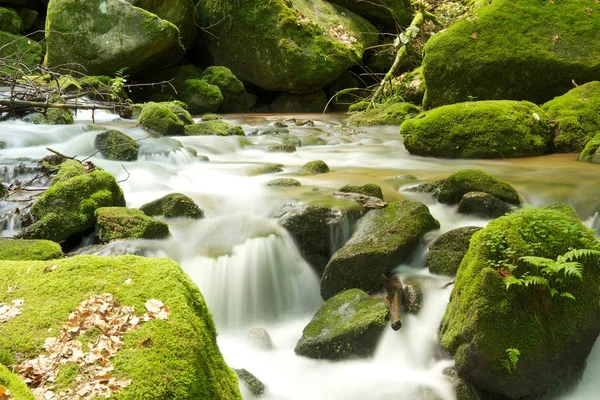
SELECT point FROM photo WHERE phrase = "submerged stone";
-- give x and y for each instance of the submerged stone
(214, 127)
(483, 205)
(255, 386)
(314, 167)
(369, 189)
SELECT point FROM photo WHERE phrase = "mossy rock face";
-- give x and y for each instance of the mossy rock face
(554, 335)
(482, 129)
(201, 96)
(314, 167)
(67, 170)
(411, 86)
(19, 49)
(482, 205)
(179, 358)
(10, 21)
(452, 189)
(115, 145)
(447, 251)
(214, 127)
(67, 207)
(28, 17)
(19, 249)
(298, 46)
(576, 117)
(158, 118)
(388, 114)
(100, 37)
(380, 242)
(180, 110)
(173, 205)
(591, 152)
(284, 182)
(382, 13)
(503, 52)
(369, 189)
(178, 12)
(347, 325)
(128, 223)
(314, 102)
(232, 89)
(255, 386)
(17, 388)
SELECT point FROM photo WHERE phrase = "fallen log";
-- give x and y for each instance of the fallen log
(393, 287)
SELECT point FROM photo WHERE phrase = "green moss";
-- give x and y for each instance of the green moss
(18, 249)
(576, 117)
(447, 251)
(295, 47)
(314, 167)
(256, 387)
(52, 116)
(15, 385)
(484, 318)
(411, 86)
(115, 145)
(590, 152)
(314, 102)
(210, 117)
(68, 169)
(201, 96)
(283, 182)
(180, 110)
(158, 118)
(67, 373)
(232, 89)
(504, 52)
(128, 223)
(386, 114)
(10, 21)
(28, 17)
(458, 184)
(283, 137)
(361, 105)
(18, 52)
(68, 207)
(483, 129)
(382, 240)
(282, 148)
(346, 325)
(172, 206)
(182, 360)
(213, 127)
(369, 189)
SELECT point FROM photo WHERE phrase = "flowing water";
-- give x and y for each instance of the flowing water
(248, 267)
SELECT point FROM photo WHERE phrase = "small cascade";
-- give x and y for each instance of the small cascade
(595, 223)
(341, 230)
(176, 157)
(10, 224)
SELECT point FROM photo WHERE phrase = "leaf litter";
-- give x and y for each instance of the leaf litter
(8, 312)
(94, 365)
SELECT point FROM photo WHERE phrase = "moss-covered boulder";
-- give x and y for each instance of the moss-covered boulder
(591, 152)
(29, 18)
(115, 145)
(482, 129)
(487, 320)
(482, 205)
(387, 114)
(159, 118)
(447, 251)
(314, 102)
(19, 249)
(232, 89)
(298, 46)
(380, 242)
(347, 325)
(175, 358)
(68, 169)
(576, 117)
(314, 167)
(215, 127)
(178, 12)
(282, 148)
(370, 189)
(504, 52)
(67, 207)
(128, 223)
(173, 205)
(452, 189)
(284, 182)
(10, 21)
(18, 52)
(180, 109)
(52, 116)
(383, 13)
(12, 386)
(201, 96)
(99, 37)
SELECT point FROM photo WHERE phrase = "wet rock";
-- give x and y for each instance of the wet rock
(462, 389)
(447, 251)
(346, 325)
(128, 223)
(264, 169)
(386, 13)
(300, 103)
(52, 116)
(10, 21)
(482, 205)
(282, 148)
(215, 127)
(259, 338)
(270, 130)
(368, 190)
(412, 296)
(232, 89)
(314, 167)
(591, 152)
(255, 386)
(27, 51)
(462, 182)
(115, 145)
(173, 205)
(284, 182)
(389, 114)
(159, 118)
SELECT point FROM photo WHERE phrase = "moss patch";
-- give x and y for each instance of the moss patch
(201, 96)
(447, 251)
(172, 206)
(284, 182)
(19, 249)
(179, 359)
(232, 89)
(10, 21)
(452, 189)
(19, 49)
(387, 114)
(214, 127)
(314, 167)
(369, 189)
(128, 223)
(15, 385)
(159, 118)
(591, 151)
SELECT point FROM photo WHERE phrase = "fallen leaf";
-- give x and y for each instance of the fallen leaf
(49, 268)
(474, 35)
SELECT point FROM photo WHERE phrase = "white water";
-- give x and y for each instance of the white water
(248, 267)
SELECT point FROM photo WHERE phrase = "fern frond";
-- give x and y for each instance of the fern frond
(537, 261)
(506, 365)
(567, 295)
(512, 280)
(513, 355)
(534, 280)
(580, 253)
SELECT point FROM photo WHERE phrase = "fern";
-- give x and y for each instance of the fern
(511, 360)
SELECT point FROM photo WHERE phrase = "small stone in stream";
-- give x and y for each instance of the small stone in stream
(255, 386)
(260, 339)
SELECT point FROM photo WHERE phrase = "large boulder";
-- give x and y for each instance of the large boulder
(173, 353)
(232, 89)
(173, 205)
(115, 145)
(128, 223)
(591, 152)
(524, 340)
(482, 129)
(504, 52)
(447, 251)
(10, 21)
(19, 52)
(347, 325)
(178, 12)
(19, 249)
(452, 189)
(67, 207)
(296, 46)
(99, 37)
(381, 241)
(381, 13)
(575, 116)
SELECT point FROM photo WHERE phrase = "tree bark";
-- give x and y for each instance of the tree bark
(393, 287)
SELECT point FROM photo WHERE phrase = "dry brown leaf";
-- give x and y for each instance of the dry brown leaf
(8, 312)
(49, 268)
(474, 35)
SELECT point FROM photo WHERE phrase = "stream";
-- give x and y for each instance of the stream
(248, 267)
